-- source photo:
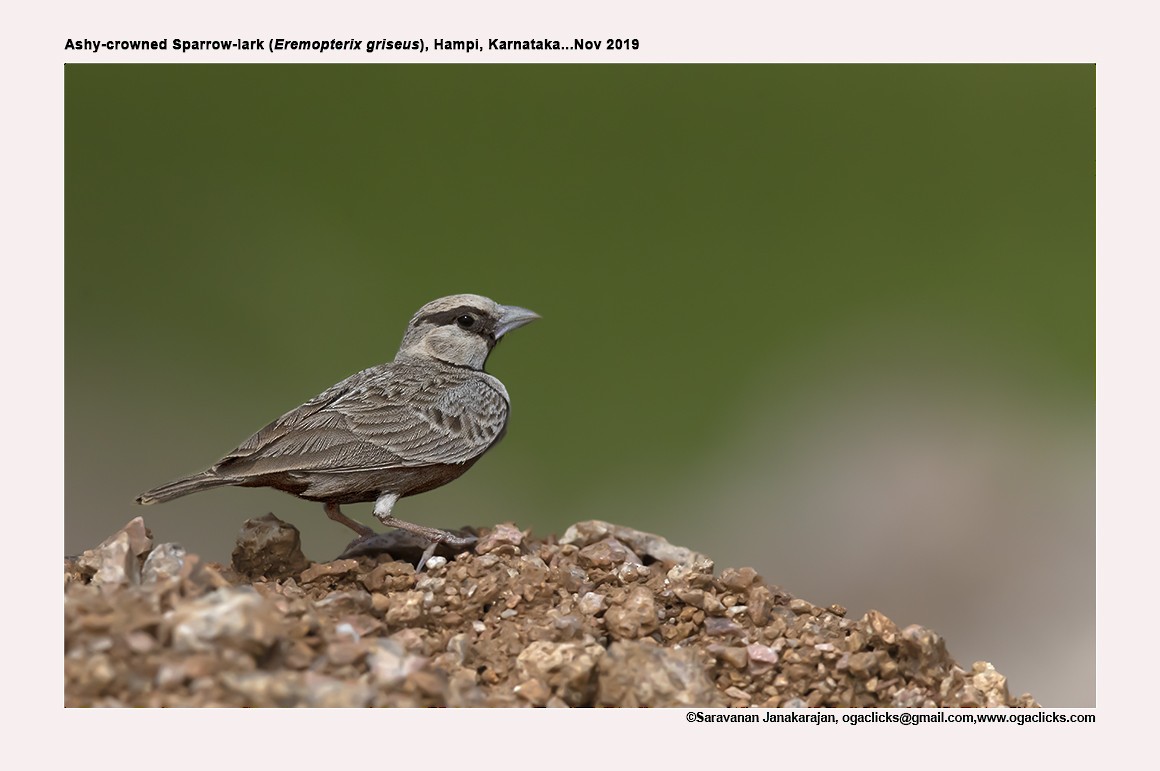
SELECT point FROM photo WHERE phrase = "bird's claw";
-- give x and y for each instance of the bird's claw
(427, 554)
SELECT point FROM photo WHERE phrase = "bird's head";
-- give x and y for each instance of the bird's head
(460, 329)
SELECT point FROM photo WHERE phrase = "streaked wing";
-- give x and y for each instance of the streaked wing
(386, 417)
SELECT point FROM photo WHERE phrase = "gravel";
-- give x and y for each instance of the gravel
(603, 616)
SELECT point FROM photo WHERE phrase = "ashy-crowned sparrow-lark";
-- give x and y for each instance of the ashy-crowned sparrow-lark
(387, 432)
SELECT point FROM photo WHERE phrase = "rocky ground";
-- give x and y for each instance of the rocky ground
(602, 616)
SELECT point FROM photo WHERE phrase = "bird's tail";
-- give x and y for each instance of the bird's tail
(191, 484)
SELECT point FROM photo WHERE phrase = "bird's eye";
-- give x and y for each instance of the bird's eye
(466, 321)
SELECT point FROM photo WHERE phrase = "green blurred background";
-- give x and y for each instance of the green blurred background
(835, 322)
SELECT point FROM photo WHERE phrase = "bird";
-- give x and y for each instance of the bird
(394, 430)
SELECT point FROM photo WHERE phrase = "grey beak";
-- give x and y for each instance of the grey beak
(513, 317)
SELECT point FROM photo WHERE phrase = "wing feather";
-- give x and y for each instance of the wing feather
(392, 416)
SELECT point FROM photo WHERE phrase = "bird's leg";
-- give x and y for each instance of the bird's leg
(336, 514)
(430, 533)
(383, 508)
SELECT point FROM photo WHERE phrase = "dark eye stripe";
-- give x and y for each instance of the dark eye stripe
(449, 317)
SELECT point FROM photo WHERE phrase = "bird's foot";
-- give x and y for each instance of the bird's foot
(408, 545)
(427, 554)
